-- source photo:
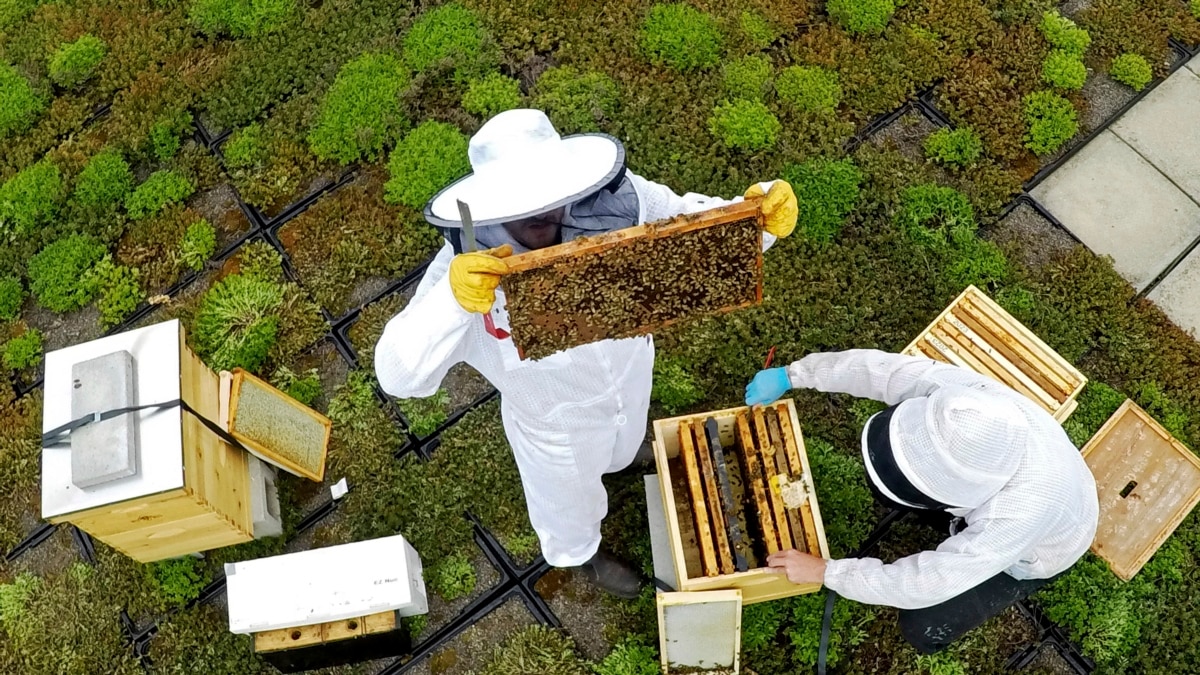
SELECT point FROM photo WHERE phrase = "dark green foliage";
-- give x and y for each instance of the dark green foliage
(674, 388)
(1064, 70)
(74, 62)
(198, 245)
(425, 415)
(1132, 69)
(757, 30)
(537, 649)
(1064, 34)
(932, 214)
(166, 134)
(809, 88)
(576, 101)
(58, 274)
(105, 181)
(305, 388)
(30, 200)
(491, 95)
(22, 351)
(451, 577)
(1052, 122)
(861, 17)
(236, 325)
(450, 35)
(159, 190)
(1169, 414)
(259, 260)
(428, 159)
(118, 288)
(680, 36)
(954, 147)
(631, 657)
(826, 192)
(761, 624)
(748, 77)
(745, 125)
(12, 295)
(805, 629)
(361, 111)
(245, 147)
(178, 581)
(241, 18)
(20, 105)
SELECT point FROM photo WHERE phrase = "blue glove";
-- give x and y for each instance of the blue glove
(767, 386)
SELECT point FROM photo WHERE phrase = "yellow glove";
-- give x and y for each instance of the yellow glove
(475, 276)
(779, 208)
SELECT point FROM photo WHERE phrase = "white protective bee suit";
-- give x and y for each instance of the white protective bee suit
(1033, 504)
(570, 417)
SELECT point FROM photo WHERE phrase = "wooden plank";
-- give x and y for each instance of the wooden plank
(712, 495)
(666, 447)
(766, 453)
(923, 348)
(797, 462)
(913, 347)
(756, 480)
(795, 520)
(176, 538)
(980, 304)
(704, 529)
(287, 638)
(132, 514)
(945, 352)
(981, 362)
(1049, 398)
(1014, 351)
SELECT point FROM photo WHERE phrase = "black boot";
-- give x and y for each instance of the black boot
(613, 575)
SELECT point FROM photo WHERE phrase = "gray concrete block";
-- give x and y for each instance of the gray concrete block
(1178, 293)
(106, 450)
(264, 500)
(1120, 205)
(1165, 129)
(1194, 65)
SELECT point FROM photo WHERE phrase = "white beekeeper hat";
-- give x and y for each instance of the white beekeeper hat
(958, 445)
(522, 167)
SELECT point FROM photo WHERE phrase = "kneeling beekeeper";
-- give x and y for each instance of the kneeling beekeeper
(580, 413)
(962, 443)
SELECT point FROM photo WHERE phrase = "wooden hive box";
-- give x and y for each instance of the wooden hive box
(1147, 482)
(783, 514)
(635, 280)
(977, 334)
(191, 491)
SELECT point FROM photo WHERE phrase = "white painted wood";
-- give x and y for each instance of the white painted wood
(325, 584)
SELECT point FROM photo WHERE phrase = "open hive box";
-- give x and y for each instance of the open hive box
(977, 334)
(636, 280)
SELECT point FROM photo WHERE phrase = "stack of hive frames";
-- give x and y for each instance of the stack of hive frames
(976, 333)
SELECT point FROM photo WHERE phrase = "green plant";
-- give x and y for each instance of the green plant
(491, 95)
(14, 598)
(236, 325)
(673, 387)
(1194, 5)
(576, 101)
(1052, 122)
(30, 199)
(761, 624)
(241, 18)
(748, 77)
(536, 649)
(974, 261)
(745, 125)
(451, 577)
(678, 35)
(58, 273)
(22, 351)
(758, 31)
(450, 35)
(304, 388)
(933, 214)
(159, 189)
(425, 161)
(74, 62)
(12, 295)
(1132, 69)
(954, 147)
(246, 147)
(361, 113)
(13, 12)
(809, 88)
(826, 192)
(118, 288)
(1064, 34)
(20, 104)
(259, 260)
(178, 581)
(943, 663)
(1097, 403)
(1168, 413)
(844, 488)
(198, 245)
(631, 657)
(105, 181)
(167, 132)
(1064, 70)
(861, 17)
(425, 415)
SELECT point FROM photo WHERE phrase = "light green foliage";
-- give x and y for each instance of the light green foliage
(260, 260)
(13, 12)
(22, 351)
(576, 101)
(30, 199)
(678, 35)
(748, 77)
(74, 62)
(245, 148)
(491, 95)
(241, 18)
(361, 111)
(58, 274)
(166, 136)
(12, 295)
(159, 189)
(14, 598)
(450, 35)
(1169, 414)
(942, 663)
(1064, 70)
(745, 125)
(761, 624)
(1052, 122)
(178, 581)
(809, 88)
(537, 649)
(758, 31)
(826, 192)
(932, 214)
(118, 288)
(425, 415)
(631, 657)
(861, 17)
(1018, 301)
(1194, 5)
(236, 324)
(451, 577)
(674, 387)
(954, 147)
(842, 489)
(974, 261)
(198, 245)
(105, 181)
(1064, 34)
(1132, 69)
(305, 388)
(1097, 403)
(804, 633)
(20, 105)
(425, 161)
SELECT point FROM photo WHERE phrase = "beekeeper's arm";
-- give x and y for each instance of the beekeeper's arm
(882, 376)
(779, 204)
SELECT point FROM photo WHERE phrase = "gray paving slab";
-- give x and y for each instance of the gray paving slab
(1179, 294)
(1165, 128)
(1120, 205)
(1194, 65)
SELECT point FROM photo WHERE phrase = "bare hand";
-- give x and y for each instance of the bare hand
(800, 568)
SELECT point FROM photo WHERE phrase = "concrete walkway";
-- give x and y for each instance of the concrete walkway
(1133, 193)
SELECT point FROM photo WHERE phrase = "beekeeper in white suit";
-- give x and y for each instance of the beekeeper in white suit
(962, 443)
(577, 414)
